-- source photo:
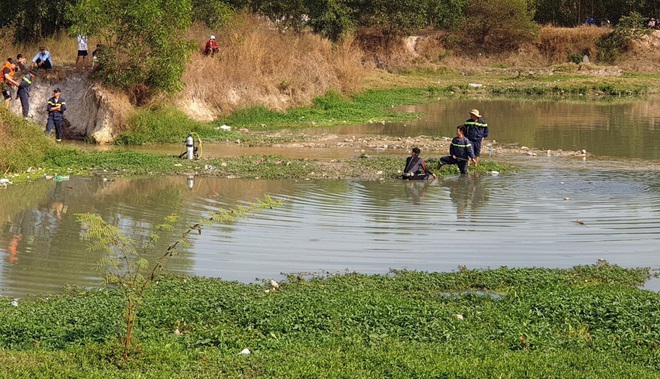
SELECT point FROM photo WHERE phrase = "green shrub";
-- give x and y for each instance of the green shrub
(621, 39)
(159, 126)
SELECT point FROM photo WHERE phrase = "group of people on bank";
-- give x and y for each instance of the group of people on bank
(464, 148)
(56, 104)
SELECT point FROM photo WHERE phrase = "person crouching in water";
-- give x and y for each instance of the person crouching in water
(416, 167)
(460, 152)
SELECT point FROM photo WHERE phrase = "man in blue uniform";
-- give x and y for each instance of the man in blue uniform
(56, 107)
(460, 152)
(23, 92)
(476, 130)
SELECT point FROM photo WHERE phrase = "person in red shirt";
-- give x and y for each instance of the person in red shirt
(212, 47)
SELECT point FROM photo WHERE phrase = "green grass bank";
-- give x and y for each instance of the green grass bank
(587, 321)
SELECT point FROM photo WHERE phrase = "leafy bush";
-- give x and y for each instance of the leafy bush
(498, 25)
(32, 21)
(162, 126)
(144, 49)
(620, 40)
(212, 13)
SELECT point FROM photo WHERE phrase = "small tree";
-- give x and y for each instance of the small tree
(286, 14)
(331, 18)
(125, 264)
(212, 13)
(393, 18)
(445, 14)
(496, 25)
(144, 45)
(629, 29)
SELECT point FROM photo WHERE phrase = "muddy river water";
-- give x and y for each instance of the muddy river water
(553, 212)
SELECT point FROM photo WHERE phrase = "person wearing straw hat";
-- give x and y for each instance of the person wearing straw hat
(476, 130)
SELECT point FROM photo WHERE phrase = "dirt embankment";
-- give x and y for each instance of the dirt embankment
(281, 71)
(92, 111)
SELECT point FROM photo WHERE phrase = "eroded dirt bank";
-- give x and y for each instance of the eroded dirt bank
(93, 112)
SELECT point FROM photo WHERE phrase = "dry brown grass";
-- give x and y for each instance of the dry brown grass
(259, 65)
(645, 56)
(62, 47)
(556, 45)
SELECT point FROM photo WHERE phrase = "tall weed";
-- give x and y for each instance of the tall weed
(260, 65)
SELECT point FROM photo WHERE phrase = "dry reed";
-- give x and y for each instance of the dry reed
(261, 65)
(558, 44)
(63, 48)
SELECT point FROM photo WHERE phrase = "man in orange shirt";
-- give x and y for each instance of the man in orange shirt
(8, 71)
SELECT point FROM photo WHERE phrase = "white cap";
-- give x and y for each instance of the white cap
(212, 37)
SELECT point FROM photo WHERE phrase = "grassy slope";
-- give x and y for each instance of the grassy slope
(588, 321)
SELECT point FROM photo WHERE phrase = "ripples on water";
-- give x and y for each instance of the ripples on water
(557, 213)
(547, 217)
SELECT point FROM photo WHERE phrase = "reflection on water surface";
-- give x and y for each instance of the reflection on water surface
(558, 213)
(553, 213)
(606, 129)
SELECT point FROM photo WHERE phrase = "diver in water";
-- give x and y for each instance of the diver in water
(416, 168)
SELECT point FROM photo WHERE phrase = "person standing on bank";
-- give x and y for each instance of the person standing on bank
(56, 107)
(23, 92)
(82, 49)
(460, 152)
(8, 71)
(476, 130)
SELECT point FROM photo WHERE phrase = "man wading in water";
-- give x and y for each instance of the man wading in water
(416, 167)
(460, 152)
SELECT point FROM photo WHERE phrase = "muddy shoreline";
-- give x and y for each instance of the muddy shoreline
(357, 147)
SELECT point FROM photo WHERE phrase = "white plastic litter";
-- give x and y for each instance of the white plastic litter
(245, 351)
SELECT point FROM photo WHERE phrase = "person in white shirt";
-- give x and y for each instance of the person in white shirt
(82, 49)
